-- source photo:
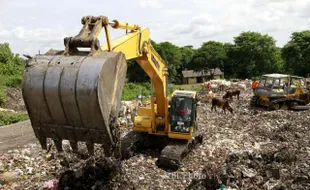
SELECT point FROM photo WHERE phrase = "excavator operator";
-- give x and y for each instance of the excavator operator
(183, 109)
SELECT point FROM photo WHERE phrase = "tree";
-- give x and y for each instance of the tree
(135, 73)
(172, 55)
(229, 64)
(296, 54)
(187, 55)
(10, 64)
(254, 54)
(208, 57)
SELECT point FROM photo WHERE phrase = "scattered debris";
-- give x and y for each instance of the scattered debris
(51, 185)
(252, 149)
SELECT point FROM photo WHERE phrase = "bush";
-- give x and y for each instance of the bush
(13, 81)
(132, 90)
(7, 118)
(3, 100)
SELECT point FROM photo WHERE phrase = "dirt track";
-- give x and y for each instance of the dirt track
(16, 135)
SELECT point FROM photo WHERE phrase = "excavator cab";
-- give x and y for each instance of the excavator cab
(183, 112)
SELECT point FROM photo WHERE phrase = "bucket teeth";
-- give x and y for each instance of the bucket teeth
(43, 143)
(90, 148)
(74, 146)
(58, 144)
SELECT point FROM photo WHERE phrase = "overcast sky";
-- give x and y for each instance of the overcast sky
(35, 25)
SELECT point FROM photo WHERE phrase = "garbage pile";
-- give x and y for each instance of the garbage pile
(128, 111)
(255, 149)
(33, 168)
(250, 149)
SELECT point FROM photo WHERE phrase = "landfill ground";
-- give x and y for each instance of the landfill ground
(250, 149)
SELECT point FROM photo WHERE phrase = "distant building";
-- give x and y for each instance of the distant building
(191, 77)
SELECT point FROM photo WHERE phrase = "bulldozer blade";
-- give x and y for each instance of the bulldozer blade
(74, 97)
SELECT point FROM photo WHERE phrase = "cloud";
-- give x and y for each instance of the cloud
(149, 4)
(208, 31)
(4, 33)
(33, 26)
(30, 41)
(305, 12)
(22, 4)
(203, 20)
(19, 32)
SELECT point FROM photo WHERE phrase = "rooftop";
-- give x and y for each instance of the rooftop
(278, 75)
(192, 73)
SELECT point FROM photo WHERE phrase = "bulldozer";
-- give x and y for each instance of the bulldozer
(74, 94)
(281, 91)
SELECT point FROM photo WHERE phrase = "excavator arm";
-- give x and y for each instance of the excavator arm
(75, 95)
(136, 44)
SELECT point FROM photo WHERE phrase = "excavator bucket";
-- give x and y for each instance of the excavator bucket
(75, 98)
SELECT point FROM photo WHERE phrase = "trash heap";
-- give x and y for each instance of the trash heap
(128, 111)
(250, 149)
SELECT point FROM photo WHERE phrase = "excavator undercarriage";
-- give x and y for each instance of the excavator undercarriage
(75, 95)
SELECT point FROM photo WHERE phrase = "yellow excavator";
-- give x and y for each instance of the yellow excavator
(75, 94)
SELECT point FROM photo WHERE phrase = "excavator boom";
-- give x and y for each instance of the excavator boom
(75, 95)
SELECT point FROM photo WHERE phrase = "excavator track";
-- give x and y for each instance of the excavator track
(172, 155)
(253, 102)
(290, 102)
(131, 143)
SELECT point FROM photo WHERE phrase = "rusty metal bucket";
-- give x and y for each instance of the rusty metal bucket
(75, 98)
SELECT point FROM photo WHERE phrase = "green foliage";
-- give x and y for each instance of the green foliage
(172, 55)
(135, 73)
(210, 56)
(13, 81)
(10, 64)
(11, 70)
(3, 100)
(187, 55)
(7, 118)
(131, 90)
(254, 54)
(170, 90)
(296, 54)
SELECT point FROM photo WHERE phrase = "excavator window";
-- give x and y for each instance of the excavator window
(181, 114)
(262, 82)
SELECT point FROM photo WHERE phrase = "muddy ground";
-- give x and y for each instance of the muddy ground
(245, 150)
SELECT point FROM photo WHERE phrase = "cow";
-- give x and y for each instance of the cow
(231, 93)
(221, 103)
(207, 97)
